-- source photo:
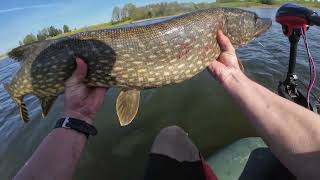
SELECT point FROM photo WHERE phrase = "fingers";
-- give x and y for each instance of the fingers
(228, 55)
(80, 73)
(81, 70)
(227, 62)
(224, 43)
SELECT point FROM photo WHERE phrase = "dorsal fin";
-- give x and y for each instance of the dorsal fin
(22, 53)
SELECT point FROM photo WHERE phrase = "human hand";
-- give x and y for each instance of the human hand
(227, 63)
(82, 102)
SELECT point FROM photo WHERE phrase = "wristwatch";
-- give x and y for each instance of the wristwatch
(77, 125)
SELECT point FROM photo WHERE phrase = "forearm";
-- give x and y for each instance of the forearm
(59, 153)
(291, 131)
(56, 157)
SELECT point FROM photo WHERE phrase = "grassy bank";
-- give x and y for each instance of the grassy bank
(3, 56)
(94, 27)
(110, 25)
(89, 28)
(227, 4)
(313, 5)
(234, 3)
(276, 4)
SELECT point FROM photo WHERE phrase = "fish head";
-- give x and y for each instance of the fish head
(243, 26)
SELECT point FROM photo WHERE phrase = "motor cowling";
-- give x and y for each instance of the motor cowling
(292, 16)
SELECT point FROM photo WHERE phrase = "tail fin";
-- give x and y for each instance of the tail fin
(20, 103)
(22, 53)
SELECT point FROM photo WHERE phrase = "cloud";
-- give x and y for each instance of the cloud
(25, 7)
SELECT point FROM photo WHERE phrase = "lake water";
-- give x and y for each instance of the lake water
(199, 105)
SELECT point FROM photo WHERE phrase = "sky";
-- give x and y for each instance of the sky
(21, 17)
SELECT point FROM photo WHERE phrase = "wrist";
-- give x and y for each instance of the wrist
(76, 125)
(78, 115)
(236, 82)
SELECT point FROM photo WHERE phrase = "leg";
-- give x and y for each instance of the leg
(174, 142)
(174, 156)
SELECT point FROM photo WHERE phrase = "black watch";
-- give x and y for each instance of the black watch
(78, 125)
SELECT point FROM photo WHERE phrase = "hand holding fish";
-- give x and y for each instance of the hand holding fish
(133, 58)
(80, 101)
(227, 63)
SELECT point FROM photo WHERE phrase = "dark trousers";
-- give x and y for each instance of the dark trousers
(173, 156)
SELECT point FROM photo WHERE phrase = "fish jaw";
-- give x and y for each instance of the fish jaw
(242, 26)
(262, 25)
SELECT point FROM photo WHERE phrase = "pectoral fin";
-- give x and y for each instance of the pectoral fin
(46, 104)
(127, 106)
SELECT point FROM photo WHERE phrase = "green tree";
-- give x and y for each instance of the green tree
(43, 34)
(137, 13)
(66, 29)
(30, 38)
(54, 31)
(116, 14)
(268, 1)
(124, 14)
(128, 11)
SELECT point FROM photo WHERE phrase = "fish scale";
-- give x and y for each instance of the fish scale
(132, 58)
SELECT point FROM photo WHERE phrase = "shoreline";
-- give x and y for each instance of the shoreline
(3, 56)
(311, 5)
(240, 4)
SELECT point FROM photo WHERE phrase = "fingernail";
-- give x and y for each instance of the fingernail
(78, 60)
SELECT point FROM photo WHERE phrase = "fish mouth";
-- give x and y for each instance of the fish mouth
(262, 25)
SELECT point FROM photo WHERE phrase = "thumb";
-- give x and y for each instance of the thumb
(228, 55)
(80, 73)
(225, 43)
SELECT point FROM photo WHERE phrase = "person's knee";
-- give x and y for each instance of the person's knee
(174, 142)
(172, 131)
(170, 137)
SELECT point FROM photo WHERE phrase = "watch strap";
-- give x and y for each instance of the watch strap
(77, 125)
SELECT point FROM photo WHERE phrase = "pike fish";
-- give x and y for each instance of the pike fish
(131, 58)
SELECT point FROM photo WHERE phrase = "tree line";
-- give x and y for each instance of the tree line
(132, 12)
(44, 34)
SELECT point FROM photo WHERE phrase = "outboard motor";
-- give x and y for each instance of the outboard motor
(295, 21)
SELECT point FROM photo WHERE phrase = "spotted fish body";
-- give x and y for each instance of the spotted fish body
(132, 58)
